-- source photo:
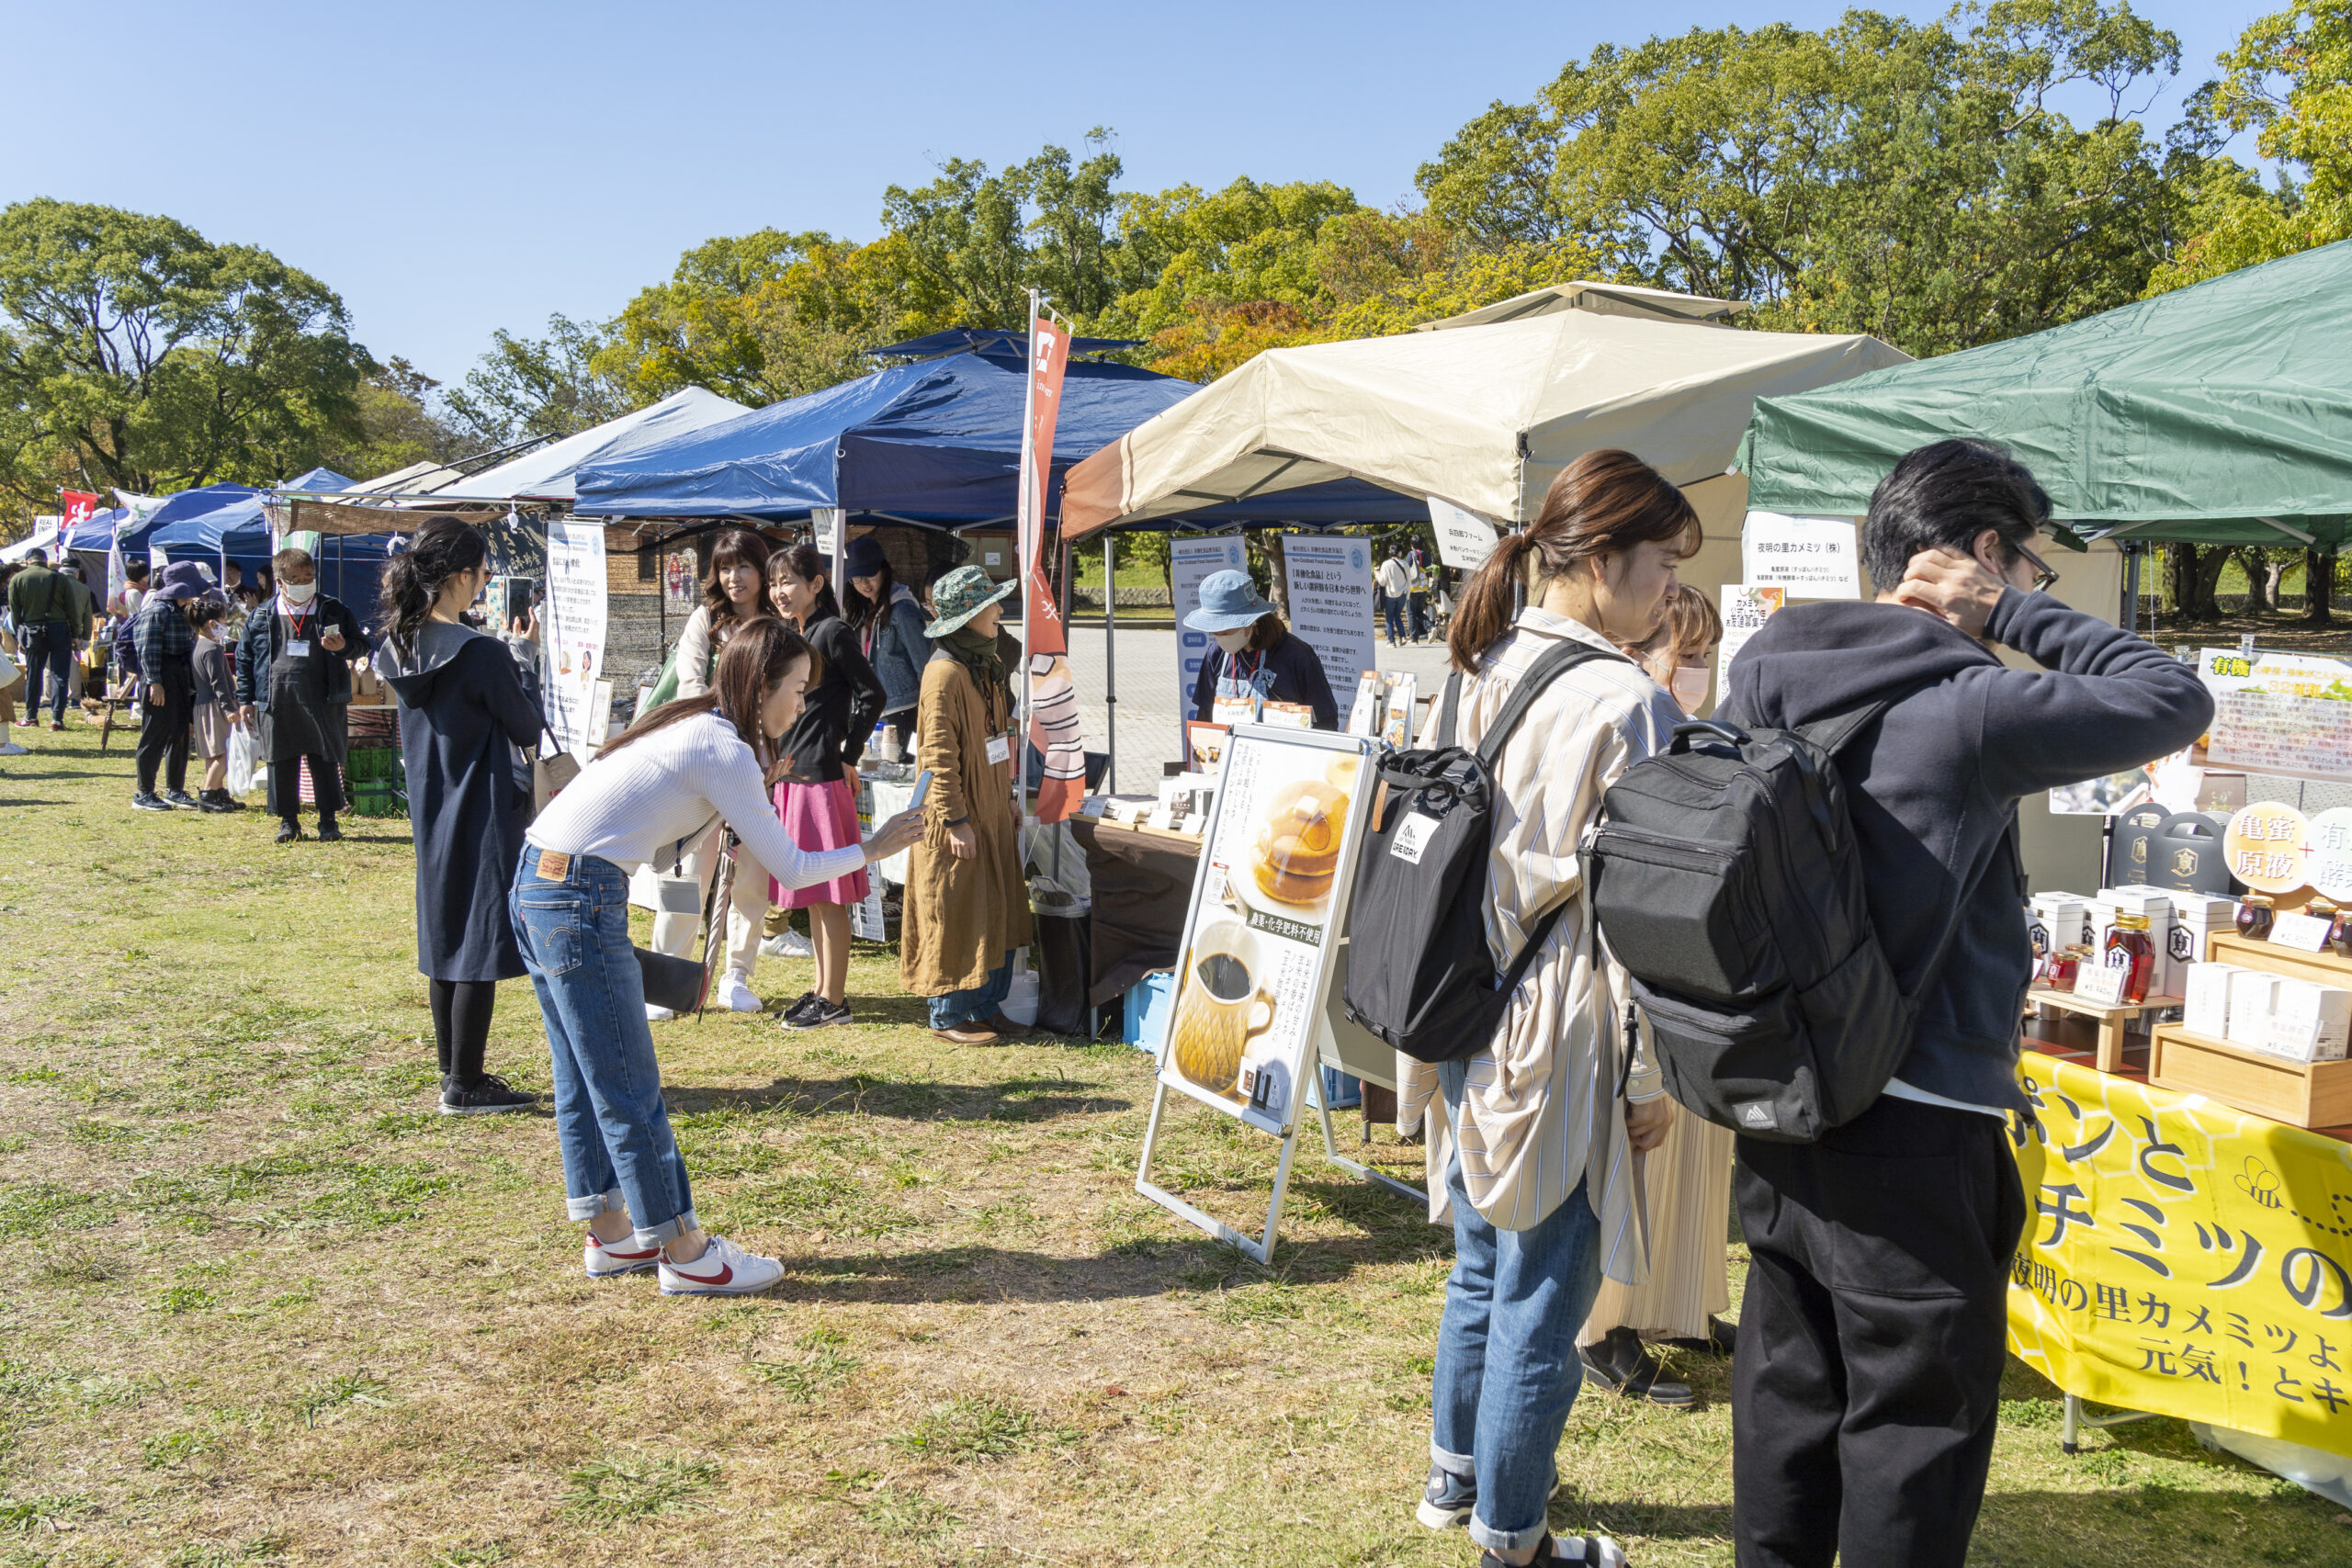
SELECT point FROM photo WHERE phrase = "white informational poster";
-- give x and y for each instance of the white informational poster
(2280, 713)
(1190, 558)
(1330, 603)
(1464, 539)
(1813, 557)
(573, 657)
(1364, 715)
(826, 525)
(1277, 863)
(1744, 611)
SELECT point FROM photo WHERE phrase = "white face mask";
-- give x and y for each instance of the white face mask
(297, 592)
(1233, 641)
(1689, 685)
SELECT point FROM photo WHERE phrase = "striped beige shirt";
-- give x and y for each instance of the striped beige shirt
(1540, 1111)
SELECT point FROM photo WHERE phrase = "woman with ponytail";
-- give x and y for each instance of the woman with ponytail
(465, 723)
(1533, 1137)
(680, 771)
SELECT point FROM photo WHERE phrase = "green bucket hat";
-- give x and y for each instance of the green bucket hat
(962, 595)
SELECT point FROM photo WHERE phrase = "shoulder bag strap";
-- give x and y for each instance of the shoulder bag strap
(1446, 705)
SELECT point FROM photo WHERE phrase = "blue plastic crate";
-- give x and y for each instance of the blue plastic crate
(1147, 1001)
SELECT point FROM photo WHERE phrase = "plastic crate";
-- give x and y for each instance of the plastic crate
(1146, 1004)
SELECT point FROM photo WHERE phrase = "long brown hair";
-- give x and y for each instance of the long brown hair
(1602, 505)
(735, 547)
(758, 659)
(807, 563)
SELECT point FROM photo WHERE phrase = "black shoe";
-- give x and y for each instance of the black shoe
(149, 801)
(490, 1094)
(1721, 1337)
(182, 799)
(328, 833)
(288, 831)
(231, 803)
(797, 1008)
(213, 805)
(820, 1014)
(1622, 1364)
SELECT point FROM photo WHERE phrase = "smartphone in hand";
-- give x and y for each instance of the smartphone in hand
(922, 788)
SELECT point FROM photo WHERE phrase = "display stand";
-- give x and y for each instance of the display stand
(2114, 1021)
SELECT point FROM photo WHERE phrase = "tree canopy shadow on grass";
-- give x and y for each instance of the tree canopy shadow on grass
(1027, 1099)
(6, 805)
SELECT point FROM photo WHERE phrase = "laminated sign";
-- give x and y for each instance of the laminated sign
(1813, 557)
(2184, 1258)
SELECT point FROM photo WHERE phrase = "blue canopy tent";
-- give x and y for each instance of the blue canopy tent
(935, 443)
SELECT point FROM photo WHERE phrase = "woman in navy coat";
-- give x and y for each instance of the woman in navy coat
(466, 722)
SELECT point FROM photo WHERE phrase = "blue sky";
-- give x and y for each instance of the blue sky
(455, 168)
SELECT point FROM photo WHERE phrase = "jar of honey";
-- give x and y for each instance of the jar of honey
(2130, 937)
(2060, 970)
(2255, 918)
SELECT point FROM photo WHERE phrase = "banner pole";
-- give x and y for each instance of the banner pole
(1026, 522)
(1110, 667)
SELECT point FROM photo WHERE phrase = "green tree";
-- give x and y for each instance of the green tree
(977, 242)
(397, 426)
(2288, 80)
(136, 353)
(526, 386)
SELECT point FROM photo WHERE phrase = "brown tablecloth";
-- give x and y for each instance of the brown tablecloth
(1143, 882)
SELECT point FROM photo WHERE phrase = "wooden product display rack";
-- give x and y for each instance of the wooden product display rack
(2301, 1094)
(2114, 1022)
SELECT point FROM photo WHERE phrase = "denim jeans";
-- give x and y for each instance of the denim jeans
(1395, 615)
(609, 1120)
(959, 1008)
(1506, 1367)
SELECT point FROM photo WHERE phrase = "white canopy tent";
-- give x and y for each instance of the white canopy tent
(547, 473)
(1482, 414)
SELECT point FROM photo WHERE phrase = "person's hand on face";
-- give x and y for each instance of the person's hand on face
(1958, 588)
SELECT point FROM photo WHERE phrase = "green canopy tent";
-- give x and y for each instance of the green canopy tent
(2216, 415)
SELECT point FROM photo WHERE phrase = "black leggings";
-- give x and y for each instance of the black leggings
(461, 1025)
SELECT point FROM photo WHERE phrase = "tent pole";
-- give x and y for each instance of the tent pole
(1110, 666)
(2130, 616)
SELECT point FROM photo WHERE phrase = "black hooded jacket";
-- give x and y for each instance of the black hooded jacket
(1934, 785)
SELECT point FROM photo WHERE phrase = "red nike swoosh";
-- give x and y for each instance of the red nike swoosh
(726, 1275)
(631, 1256)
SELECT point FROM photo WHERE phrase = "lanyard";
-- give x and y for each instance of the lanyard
(297, 620)
(1234, 672)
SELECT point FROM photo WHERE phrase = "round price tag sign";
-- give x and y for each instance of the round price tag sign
(2329, 865)
(2267, 847)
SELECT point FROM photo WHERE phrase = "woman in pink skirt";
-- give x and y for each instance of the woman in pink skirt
(818, 795)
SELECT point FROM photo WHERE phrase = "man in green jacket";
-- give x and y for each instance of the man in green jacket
(52, 612)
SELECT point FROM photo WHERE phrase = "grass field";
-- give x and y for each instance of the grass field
(259, 1303)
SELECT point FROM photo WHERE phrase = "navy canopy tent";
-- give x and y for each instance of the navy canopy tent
(936, 443)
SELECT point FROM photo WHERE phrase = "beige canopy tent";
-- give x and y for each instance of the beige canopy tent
(1482, 413)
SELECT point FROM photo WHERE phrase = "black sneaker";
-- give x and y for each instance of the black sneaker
(149, 802)
(797, 1008)
(329, 833)
(213, 805)
(1622, 1364)
(490, 1094)
(182, 799)
(818, 1014)
(288, 831)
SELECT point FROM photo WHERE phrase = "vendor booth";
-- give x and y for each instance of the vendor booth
(2190, 1170)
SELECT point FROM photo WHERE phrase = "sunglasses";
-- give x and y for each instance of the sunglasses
(2043, 578)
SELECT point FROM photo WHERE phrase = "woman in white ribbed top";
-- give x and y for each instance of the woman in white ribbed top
(684, 767)
(1532, 1135)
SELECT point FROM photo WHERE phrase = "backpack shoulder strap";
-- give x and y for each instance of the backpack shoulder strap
(1446, 710)
(1548, 667)
(1833, 734)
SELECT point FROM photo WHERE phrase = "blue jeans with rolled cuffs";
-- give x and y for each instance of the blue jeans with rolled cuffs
(1507, 1369)
(609, 1119)
(957, 1009)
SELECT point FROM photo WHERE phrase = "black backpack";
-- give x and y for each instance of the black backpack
(1726, 880)
(1420, 976)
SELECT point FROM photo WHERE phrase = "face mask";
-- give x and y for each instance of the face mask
(1689, 686)
(1233, 642)
(297, 592)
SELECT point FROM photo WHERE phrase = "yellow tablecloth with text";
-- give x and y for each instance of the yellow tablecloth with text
(2184, 1259)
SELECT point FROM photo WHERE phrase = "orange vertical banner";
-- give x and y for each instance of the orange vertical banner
(1053, 695)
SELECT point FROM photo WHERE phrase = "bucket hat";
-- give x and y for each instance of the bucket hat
(186, 579)
(1229, 601)
(962, 595)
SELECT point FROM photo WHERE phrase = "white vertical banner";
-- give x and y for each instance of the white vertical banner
(574, 631)
(1330, 603)
(1190, 558)
(1464, 539)
(831, 525)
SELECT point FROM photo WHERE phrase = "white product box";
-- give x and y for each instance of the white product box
(2205, 1009)
(2056, 919)
(2252, 996)
(2196, 920)
(2309, 1022)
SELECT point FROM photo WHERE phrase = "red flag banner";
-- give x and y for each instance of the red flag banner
(79, 505)
(1053, 695)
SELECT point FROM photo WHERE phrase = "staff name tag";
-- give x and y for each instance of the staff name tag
(297, 648)
(1000, 750)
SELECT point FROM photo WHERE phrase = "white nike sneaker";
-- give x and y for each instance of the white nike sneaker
(607, 1260)
(723, 1270)
(655, 1012)
(788, 944)
(734, 993)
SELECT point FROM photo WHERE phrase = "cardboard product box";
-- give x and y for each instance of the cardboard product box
(2196, 920)
(2131, 847)
(2206, 1006)
(2309, 1022)
(2252, 995)
(2057, 920)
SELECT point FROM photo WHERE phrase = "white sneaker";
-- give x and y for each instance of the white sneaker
(788, 944)
(723, 1270)
(13, 750)
(607, 1260)
(734, 993)
(655, 1012)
